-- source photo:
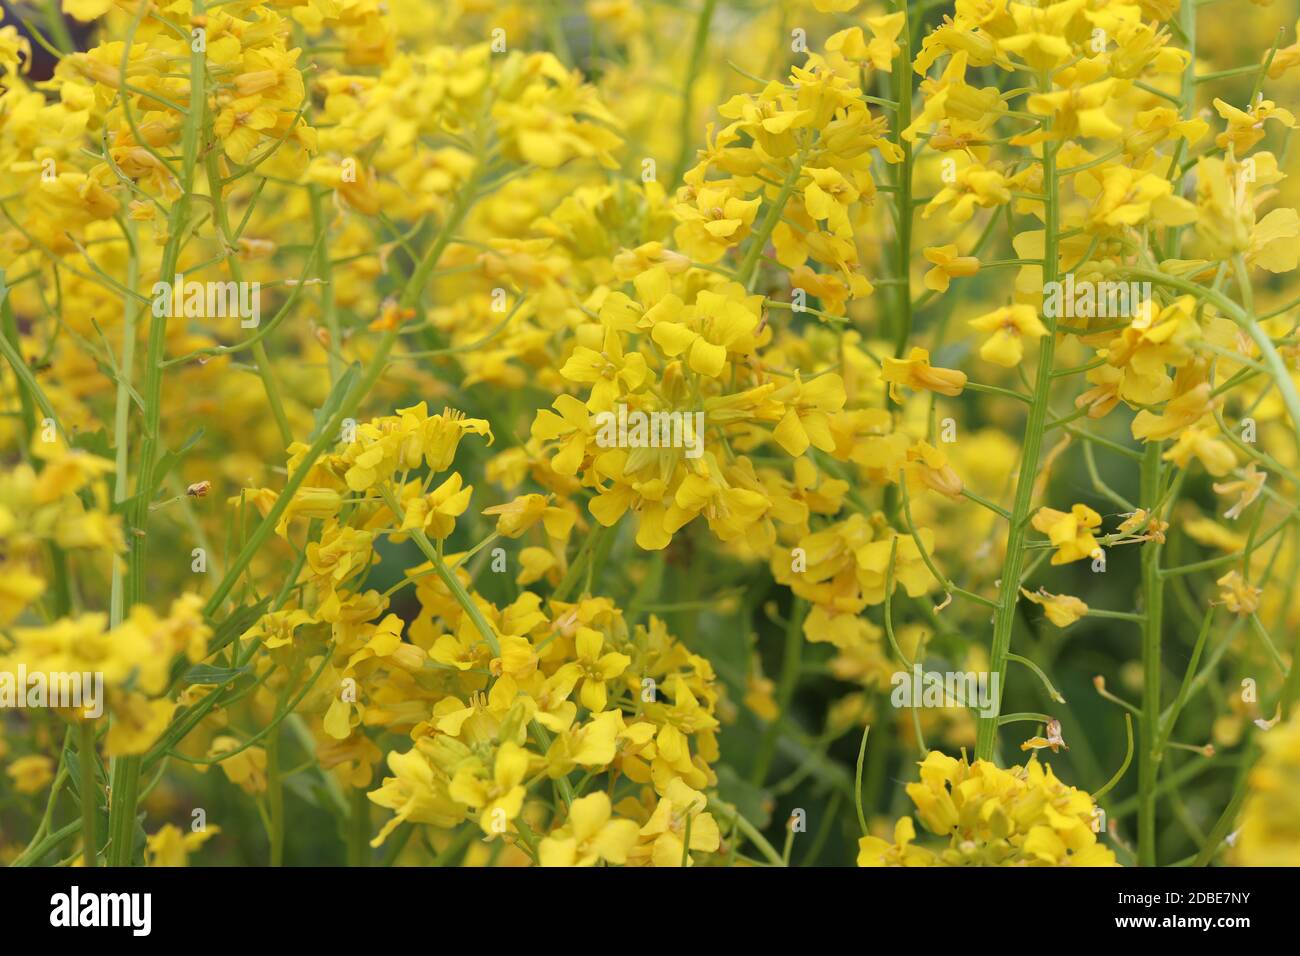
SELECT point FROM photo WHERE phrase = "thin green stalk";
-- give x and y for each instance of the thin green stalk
(751, 833)
(329, 310)
(125, 773)
(1009, 589)
(749, 265)
(275, 798)
(86, 764)
(328, 434)
(698, 44)
(790, 666)
(122, 411)
(1153, 610)
(359, 829)
(265, 371)
(902, 75)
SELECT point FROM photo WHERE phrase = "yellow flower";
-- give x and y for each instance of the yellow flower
(1061, 609)
(1246, 128)
(1039, 38)
(589, 836)
(927, 466)
(873, 851)
(1180, 413)
(667, 827)
(1021, 816)
(246, 769)
(31, 774)
(947, 265)
(1238, 595)
(1270, 819)
(1053, 741)
(1201, 443)
(417, 791)
(1247, 488)
(809, 407)
(975, 185)
(19, 587)
(719, 323)
(1007, 328)
(1069, 532)
(498, 798)
(517, 516)
(916, 372)
(170, 847)
(436, 512)
(595, 668)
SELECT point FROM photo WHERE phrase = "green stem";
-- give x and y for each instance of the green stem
(698, 45)
(57, 26)
(325, 272)
(328, 434)
(122, 412)
(86, 764)
(359, 830)
(751, 834)
(125, 773)
(275, 798)
(1153, 608)
(902, 74)
(265, 371)
(790, 666)
(1009, 589)
(749, 265)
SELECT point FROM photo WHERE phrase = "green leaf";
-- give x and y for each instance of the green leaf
(335, 398)
(211, 674)
(237, 623)
(170, 460)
